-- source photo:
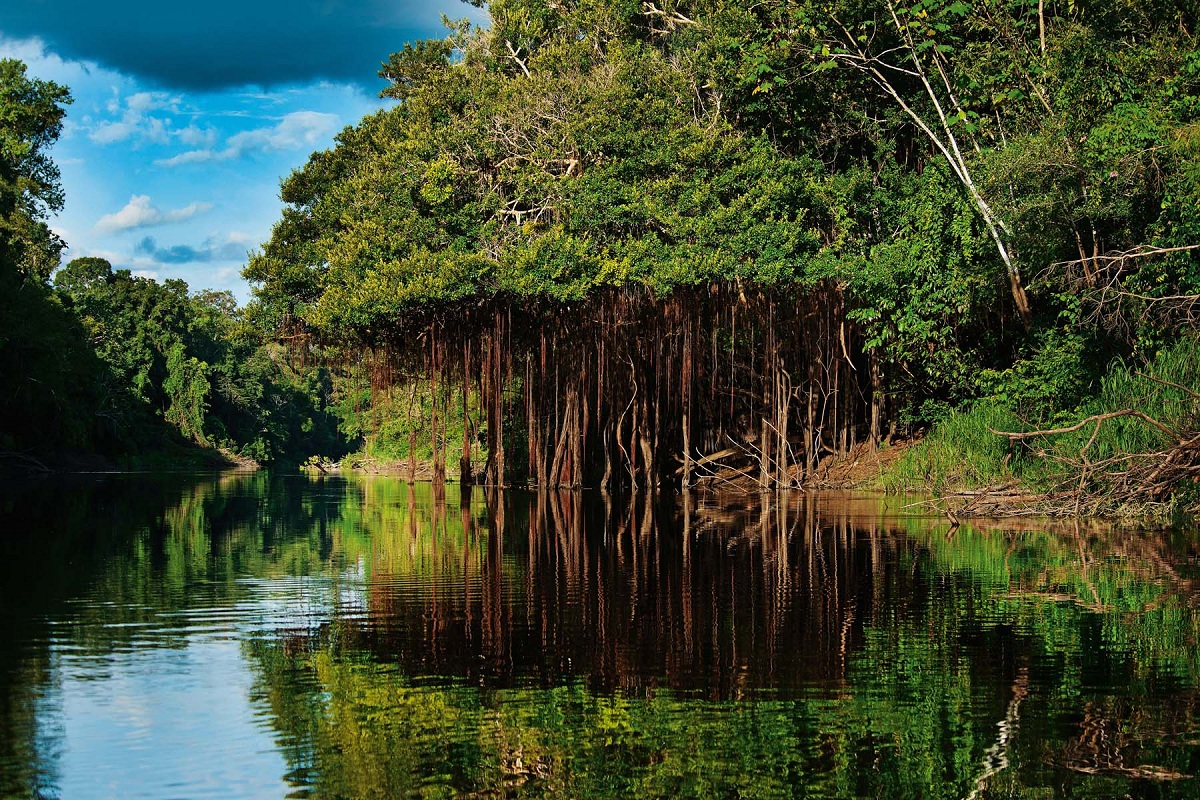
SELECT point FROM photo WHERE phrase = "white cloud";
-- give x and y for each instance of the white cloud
(26, 50)
(110, 132)
(136, 118)
(195, 136)
(145, 102)
(190, 157)
(111, 256)
(299, 129)
(139, 212)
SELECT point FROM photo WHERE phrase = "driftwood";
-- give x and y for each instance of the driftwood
(1098, 419)
(712, 458)
(1149, 478)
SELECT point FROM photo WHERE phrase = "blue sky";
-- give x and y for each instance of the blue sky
(186, 117)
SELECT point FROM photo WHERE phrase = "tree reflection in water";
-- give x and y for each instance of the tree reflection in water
(565, 644)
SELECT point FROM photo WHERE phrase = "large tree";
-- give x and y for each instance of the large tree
(45, 398)
(31, 117)
(658, 169)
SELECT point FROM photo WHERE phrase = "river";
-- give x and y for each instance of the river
(265, 636)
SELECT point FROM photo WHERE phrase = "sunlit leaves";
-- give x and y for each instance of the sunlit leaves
(596, 169)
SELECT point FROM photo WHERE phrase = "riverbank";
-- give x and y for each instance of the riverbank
(864, 467)
(899, 467)
(958, 480)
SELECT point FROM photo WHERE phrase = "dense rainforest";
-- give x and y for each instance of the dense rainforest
(631, 244)
(642, 239)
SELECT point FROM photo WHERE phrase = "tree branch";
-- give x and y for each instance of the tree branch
(1097, 418)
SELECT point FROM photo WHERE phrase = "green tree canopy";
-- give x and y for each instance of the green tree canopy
(31, 115)
(561, 154)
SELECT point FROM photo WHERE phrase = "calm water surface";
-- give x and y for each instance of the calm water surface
(264, 636)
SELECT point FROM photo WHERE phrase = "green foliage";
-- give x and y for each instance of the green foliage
(47, 396)
(409, 68)
(922, 295)
(390, 424)
(195, 363)
(31, 116)
(186, 389)
(594, 171)
(962, 450)
(1050, 380)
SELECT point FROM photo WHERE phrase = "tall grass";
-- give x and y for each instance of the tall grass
(959, 453)
(962, 453)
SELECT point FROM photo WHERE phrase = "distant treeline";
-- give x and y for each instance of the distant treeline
(145, 373)
(101, 363)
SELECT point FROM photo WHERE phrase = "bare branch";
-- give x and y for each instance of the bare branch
(1143, 251)
(1098, 418)
(515, 55)
(673, 19)
(1168, 383)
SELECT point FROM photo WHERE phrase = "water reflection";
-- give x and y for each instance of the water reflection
(555, 586)
(257, 635)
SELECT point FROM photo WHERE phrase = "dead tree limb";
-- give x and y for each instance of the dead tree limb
(1097, 418)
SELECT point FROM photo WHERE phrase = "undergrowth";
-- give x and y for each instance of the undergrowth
(962, 453)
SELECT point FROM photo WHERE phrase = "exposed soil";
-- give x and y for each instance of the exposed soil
(862, 467)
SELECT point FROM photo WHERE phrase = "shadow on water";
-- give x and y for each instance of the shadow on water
(394, 640)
